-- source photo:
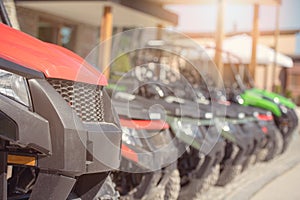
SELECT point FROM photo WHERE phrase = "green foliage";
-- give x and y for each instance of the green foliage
(278, 89)
(120, 66)
(289, 94)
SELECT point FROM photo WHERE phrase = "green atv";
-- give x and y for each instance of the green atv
(245, 93)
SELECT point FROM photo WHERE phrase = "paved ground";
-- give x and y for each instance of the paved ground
(286, 186)
(277, 179)
(258, 181)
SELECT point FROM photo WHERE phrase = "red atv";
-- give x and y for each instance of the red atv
(58, 131)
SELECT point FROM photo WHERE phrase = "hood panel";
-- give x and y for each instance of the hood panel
(52, 60)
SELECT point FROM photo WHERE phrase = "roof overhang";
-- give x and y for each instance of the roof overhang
(186, 2)
(125, 12)
(199, 35)
(240, 46)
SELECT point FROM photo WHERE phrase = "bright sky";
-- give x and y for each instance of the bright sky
(196, 18)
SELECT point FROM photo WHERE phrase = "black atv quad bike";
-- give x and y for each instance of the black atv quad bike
(200, 143)
(245, 119)
(242, 142)
(198, 135)
(149, 151)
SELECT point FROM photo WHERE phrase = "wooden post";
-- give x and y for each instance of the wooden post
(105, 44)
(220, 35)
(266, 77)
(276, 37)
(158, 54)
(159, 31)
(255, 36)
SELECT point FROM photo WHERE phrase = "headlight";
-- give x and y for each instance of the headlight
(14, 87)
(192, 130)
(240, 100)
(127, 137)
(241, 115)
(276, 100)
(283, 109)
(226, 128)
(131, 136)
(208, 115)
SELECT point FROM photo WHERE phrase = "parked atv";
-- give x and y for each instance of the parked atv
(284, 116)
(282, 108)
(244, 138)
(149, 151)
(204, 149)
(264, 121)
(56, 121)
(200, 147)
(274, 144)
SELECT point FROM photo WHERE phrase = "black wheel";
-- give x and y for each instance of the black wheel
(107, 191)
(194, 189)
(279, 142)
(197, 187)
(228, 174)
(277, 146)
(172, 188)
(287, 124)
(148, 186)
(294, 116)
(249, 162)
(214, 176)
(263, 153)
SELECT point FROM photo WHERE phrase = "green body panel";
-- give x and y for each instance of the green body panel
(229, 136)
(116, 87)
(182, 134)
(244, 120)
(252, 98)
(282, 100)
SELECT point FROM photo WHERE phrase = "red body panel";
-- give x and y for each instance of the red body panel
(145, 124)
(264, 130)
(129, 153)
(52, 60)
(265, 117)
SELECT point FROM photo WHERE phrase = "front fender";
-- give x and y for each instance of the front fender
(253, 99)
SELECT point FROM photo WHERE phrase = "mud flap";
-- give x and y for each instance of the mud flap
(52, 187)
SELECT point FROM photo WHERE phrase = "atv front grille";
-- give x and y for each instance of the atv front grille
(85, 99)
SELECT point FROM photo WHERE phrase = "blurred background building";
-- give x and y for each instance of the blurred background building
(78, 26)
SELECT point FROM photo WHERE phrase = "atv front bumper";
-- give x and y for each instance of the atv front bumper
(62, 141)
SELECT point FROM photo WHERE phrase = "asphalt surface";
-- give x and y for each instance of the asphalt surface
(286, 186)
(277, 179)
